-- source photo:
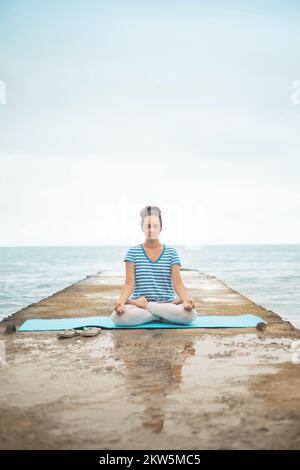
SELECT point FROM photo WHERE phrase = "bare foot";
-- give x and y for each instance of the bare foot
(176, 301)
(140, 302)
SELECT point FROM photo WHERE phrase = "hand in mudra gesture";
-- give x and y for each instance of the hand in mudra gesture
(188, 304)
(119, 307)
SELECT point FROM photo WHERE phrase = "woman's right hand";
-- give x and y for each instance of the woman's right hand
(119, 307)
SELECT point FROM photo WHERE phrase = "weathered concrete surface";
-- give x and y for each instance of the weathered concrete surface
(150, 389)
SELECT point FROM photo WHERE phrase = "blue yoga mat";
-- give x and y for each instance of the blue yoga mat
(203, 321)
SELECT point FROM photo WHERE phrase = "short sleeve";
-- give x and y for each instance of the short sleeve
(175, 258)
(129, 256)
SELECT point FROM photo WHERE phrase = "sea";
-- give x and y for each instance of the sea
(267, 274)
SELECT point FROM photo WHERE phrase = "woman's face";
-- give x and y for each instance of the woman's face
(151, 227)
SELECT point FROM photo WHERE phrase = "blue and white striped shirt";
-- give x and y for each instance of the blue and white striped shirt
(153, 279)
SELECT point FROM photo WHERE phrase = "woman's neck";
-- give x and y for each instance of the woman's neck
(152, 243)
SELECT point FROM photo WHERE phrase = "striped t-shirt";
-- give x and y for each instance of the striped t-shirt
(153, 279)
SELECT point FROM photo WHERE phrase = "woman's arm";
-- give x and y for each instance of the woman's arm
(125, 293)
(129, 283)
(180, 288)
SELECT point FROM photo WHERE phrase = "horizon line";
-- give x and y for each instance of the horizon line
(177, 244)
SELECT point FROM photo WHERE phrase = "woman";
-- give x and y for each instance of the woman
(152, 270)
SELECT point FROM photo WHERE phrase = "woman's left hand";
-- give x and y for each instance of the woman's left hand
(188, 304)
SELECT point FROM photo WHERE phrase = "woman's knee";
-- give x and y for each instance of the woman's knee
(116, 318)
(188, 316)
(122, 319)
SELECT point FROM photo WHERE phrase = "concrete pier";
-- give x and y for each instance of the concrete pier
(150, 389)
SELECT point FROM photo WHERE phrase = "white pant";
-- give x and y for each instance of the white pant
(156, 311)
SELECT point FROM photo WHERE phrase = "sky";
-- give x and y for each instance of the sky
(109, 106)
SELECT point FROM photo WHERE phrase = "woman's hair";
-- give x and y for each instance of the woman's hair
(151, 210)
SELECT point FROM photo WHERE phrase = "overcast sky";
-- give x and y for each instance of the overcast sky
(114, 105)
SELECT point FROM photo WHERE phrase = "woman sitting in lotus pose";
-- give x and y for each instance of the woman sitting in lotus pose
(152, 270)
